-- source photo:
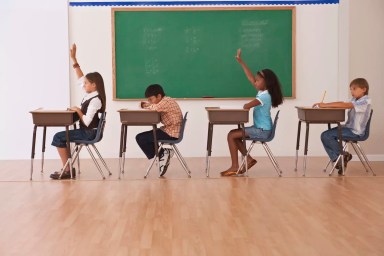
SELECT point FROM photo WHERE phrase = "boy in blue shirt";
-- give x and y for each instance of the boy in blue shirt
(358, 115)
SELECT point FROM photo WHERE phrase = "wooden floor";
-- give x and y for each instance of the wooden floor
(258, 215)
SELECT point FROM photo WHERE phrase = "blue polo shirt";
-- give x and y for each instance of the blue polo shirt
(262, 113)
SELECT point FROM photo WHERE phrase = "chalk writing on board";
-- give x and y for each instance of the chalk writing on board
(192, 40)
(151, 37)
(251, 33)
(152, 66)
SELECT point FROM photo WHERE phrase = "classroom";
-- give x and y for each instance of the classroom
(329, 43)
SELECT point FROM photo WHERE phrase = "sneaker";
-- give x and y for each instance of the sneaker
(165, 160)
(347, 157)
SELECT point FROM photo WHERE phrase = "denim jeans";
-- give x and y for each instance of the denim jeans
(257, 133)
(146, 141)
(60, 141)
(330, 140)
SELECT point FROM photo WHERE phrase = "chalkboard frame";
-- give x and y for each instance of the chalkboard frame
(157, 9)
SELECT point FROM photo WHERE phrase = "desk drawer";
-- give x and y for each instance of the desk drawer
(54, 119)
(321, 115)
(139, 117)
(228, 117)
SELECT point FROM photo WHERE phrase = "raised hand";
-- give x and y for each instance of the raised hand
(238, 56)
(73, 53)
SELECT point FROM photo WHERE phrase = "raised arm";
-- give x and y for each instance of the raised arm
(76, 66)
(247, 71)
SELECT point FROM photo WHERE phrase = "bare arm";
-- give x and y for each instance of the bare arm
(76, 66)
(251, 104)
(339, 104)
(247, 71)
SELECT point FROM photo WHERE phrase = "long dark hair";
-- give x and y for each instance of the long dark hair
(96, 78)
(273, 86)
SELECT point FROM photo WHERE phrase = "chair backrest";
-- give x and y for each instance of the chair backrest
(274, 127)
(367, 128)
(272, 135)
(181, 135)
(100, 128)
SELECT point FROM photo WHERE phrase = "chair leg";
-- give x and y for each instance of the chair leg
(181, 160)
(152, 162)
(364, 156)
(95, 161)
(272, 158)
(330, 161)
(102, 159)
(244, 162)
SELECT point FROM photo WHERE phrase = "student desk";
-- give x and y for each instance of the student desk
(136, 118)
(311, 115)
(222, 116)
(51, 118)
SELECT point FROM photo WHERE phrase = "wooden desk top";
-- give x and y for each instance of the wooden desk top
(311, 108)
(226, 109)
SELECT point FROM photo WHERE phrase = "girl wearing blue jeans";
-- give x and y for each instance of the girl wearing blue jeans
(269, 95)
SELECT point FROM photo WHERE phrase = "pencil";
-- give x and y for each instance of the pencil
(325, 92)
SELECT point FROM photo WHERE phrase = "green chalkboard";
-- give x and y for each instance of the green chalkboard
(191, 52)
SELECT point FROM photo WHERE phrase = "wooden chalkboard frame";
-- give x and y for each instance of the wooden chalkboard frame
(156, 9)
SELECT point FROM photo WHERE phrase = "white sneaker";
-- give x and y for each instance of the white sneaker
(165, 160)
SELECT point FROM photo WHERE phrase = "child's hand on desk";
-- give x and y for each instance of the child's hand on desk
(75, 109)
(318, 105)
(144, 104)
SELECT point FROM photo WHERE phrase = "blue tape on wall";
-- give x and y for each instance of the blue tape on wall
(176, 3)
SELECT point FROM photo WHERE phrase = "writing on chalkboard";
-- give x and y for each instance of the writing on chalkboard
(151, 38)
(251, 33)
(192, 39)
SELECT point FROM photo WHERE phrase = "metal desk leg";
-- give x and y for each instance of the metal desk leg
(124, 145)
(306, 148)
(156, 157)
(209, 148)
(244, 157)
(43, 148)
(121, 151)
(297, 144)
(33, 149)
(341, 147)
(69, 150)
(156, 144)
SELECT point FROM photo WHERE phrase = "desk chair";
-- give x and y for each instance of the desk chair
(358, 149)
(172, 144)
(79, 144)
(266, 148)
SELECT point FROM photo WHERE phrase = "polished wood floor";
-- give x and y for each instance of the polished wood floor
(258, 215)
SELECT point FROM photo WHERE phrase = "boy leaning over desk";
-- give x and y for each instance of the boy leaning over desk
(358, 114)
(170, 116)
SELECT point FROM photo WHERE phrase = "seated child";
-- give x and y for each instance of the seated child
(359, 110)
(171, 117)
(94, 102)
(269, 95)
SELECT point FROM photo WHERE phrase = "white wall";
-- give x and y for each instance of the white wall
(33, 70)
(317, 70)
(367, 60)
